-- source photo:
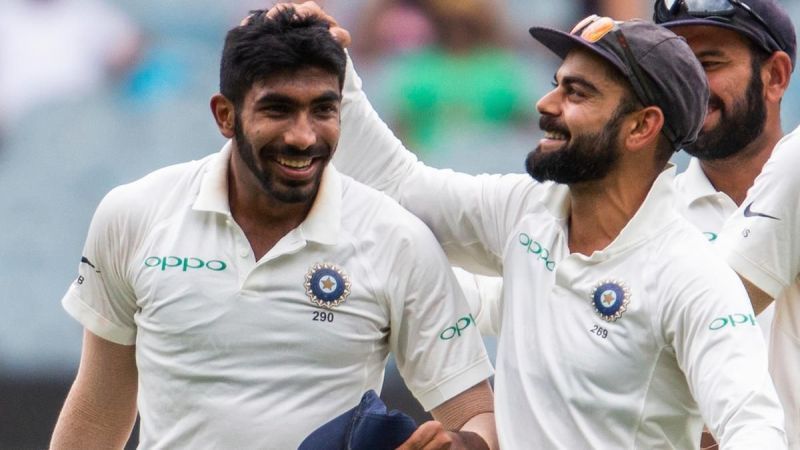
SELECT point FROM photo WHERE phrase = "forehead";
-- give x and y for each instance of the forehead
(302, 85)
(586, 65)
(705, 38)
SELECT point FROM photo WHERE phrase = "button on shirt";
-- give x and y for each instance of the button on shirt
(762, 242)
(238, 353)
(623, 349)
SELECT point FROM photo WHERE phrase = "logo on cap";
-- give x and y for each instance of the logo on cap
(610, 299)
(327, 285)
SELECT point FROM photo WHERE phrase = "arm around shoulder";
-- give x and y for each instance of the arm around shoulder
(100, 409)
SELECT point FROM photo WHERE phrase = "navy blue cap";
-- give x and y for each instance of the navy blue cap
(774, 16)
(367, 426)
(679, 83)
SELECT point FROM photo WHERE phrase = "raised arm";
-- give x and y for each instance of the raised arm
(100, 409)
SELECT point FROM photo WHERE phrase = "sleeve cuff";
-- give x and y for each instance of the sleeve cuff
(96, 323)
(765, 281)
(456, 384)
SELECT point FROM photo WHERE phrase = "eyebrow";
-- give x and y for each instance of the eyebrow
(706, 53)
(276, 98)
(586, 84)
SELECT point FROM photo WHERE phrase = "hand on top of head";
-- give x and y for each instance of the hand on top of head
(306, 9)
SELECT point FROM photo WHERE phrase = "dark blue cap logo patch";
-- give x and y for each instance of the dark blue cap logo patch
(327, 285)
(610, 299)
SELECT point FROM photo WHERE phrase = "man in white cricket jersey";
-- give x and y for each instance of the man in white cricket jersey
(748, 50)
(245, 299)
(762, 243)
(619, 327)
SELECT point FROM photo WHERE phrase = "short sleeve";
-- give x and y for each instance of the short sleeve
(760, 241)
(434, 337)
(101, 298)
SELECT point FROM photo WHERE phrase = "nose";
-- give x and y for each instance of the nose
(548, 104)
(301, 132)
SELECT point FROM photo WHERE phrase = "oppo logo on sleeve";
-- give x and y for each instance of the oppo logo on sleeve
(732, 321)
(455, 330)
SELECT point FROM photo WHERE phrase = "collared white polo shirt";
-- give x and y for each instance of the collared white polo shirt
(762, 242)
(622, 349)
(700, 203)
(707, 209)
(238, 353)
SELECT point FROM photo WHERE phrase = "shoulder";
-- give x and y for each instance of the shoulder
(683, 263)
(781, 168)
(169, 185)
(367, 210)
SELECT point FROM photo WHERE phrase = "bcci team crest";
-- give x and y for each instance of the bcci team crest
(327, 285)
(610, 299)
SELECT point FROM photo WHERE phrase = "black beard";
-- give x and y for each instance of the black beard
(736, 129)
(291, 191)
(585, 157)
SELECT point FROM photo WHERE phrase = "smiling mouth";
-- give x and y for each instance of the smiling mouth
(555, 135)
(295, 163)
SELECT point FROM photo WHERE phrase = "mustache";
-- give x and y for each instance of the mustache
(715, 102)
(318, 150)
(550, 123)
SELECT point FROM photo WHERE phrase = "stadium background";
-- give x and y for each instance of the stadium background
(62, 148)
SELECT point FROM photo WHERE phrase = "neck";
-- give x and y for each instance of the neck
(735, 174)
(600, 209)
(263, 219)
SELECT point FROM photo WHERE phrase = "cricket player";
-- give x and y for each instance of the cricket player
(761, 242)
(244, 299)
(619, 326)
(748, 50)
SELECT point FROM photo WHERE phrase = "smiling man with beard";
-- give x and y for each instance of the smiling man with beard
(245, 299)
(618, 328)
(748, 51)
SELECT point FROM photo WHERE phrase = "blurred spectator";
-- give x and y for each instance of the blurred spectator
(618, 9)
(55, 49)
(389, 28)
(465, 81)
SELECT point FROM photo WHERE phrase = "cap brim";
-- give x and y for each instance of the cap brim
(700, 22)
(562, 43)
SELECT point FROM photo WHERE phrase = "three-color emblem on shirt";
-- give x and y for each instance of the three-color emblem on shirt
(610, 299)
(327, 285)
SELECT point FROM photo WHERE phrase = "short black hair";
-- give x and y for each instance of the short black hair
(281, 45)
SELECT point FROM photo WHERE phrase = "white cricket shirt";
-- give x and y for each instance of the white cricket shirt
(762, 242)
(623, 349)
(233, 353)
(707, 209)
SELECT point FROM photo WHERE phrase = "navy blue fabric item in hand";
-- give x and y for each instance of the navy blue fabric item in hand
(367, 426)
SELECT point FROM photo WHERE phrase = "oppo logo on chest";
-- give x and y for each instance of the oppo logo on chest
(183, 263)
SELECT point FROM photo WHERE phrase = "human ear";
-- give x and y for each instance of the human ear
(645, 127)
(775, 73)
(224, 114)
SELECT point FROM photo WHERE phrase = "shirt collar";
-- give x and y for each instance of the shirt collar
(657, 210)
(323, 222)
(696, 184)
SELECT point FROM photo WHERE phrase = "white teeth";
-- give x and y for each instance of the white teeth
(295, 163)
(554, 135)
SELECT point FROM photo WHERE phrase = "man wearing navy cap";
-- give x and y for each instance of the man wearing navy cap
(748, 50)
(619, 327)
